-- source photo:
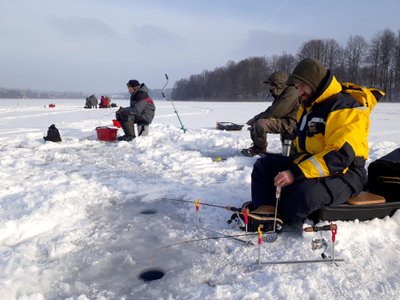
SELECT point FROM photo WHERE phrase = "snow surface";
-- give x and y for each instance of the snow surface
(71, 225)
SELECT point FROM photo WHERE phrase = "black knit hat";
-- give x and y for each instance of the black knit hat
(309, 72)
(133, 83)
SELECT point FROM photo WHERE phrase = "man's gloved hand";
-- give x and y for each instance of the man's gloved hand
(122, 114)
(251, 121)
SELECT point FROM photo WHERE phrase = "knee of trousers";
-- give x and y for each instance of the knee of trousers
(262, 167)
(271, 165)
(119, 115)
(258, 129)
(300, 201)
(263, 126)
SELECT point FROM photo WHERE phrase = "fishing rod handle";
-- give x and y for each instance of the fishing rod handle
(231, 208)
(321, 228)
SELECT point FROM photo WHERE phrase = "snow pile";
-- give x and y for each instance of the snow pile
(73, 223)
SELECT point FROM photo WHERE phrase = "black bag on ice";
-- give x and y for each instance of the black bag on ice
(384, 176)
(53, 135)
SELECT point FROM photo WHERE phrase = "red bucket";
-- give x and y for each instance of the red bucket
(106, 134)
(116, 123)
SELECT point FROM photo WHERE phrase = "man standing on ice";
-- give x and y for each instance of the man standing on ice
(332, 146)
(279, 118)
(141, 110)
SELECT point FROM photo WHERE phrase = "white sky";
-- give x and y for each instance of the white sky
(98, 45)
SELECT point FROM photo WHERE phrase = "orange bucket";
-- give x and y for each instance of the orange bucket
(106, 134)
(116, 123)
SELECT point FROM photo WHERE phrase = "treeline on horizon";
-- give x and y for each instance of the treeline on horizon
(34, 94)
(374, 64)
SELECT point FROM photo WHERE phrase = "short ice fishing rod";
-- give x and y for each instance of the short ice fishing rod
(211, 238)
(230, 208)
(176, 112)
(330, 227)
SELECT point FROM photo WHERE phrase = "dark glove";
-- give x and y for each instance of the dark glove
(122, 114)
(251, 121)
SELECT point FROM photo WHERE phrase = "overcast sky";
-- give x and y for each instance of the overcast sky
(98, 45)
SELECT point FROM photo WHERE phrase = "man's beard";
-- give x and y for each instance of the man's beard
(308, 101)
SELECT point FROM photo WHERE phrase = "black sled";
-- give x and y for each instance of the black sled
(229, 126)
(381, 199)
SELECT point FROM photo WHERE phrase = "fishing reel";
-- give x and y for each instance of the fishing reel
(321, 242)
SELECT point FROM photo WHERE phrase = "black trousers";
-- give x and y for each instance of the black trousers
(299, 199)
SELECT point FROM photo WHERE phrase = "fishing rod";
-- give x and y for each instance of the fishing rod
(330, 227)
(278, 197)
(287, 262)
(230, 208)
(208, 238)
(172, 102)
(222, 234)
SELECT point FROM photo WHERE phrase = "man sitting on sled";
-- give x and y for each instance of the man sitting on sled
(331, 144)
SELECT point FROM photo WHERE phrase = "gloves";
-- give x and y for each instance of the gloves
(251, 121)
(122, 114)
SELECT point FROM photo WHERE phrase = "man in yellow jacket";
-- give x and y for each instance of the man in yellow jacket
(331, 144)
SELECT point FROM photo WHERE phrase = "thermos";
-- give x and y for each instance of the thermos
(286, 146)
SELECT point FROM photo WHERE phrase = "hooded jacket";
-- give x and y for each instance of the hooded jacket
(333, 136)
(284, 106)
(141, 104)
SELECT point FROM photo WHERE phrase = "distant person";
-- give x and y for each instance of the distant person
(141, 110)
(88, 103)
(331, 143)
(279, 118)
(94, 101)
(108, 101)
(91, 101)
(105, 102)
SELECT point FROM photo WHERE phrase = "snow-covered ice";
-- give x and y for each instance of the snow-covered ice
(71, 225)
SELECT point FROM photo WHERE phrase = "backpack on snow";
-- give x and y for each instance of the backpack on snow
(53, 135)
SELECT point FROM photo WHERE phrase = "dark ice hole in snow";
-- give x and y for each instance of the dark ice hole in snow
(152, 274)
(148, 212)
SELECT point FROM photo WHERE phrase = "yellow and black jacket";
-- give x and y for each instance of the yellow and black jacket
(333, 133)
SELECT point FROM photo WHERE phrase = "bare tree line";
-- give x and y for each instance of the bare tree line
(375, 64)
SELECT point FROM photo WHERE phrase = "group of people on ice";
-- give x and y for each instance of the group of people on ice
(328, 123)
(93, 102)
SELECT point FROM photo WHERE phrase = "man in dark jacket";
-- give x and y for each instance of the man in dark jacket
(141, 110)
(280, 117)
(331, 144)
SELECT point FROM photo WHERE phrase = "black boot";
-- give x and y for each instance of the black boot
(129, 130)
(253, 151)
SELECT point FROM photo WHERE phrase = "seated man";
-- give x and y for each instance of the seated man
(91, 102)
(104, 102)
(332, 146)
(280, 117)
(140, 111)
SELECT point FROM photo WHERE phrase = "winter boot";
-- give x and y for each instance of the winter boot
(129, 130)
(263, 217)
(253, 151)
